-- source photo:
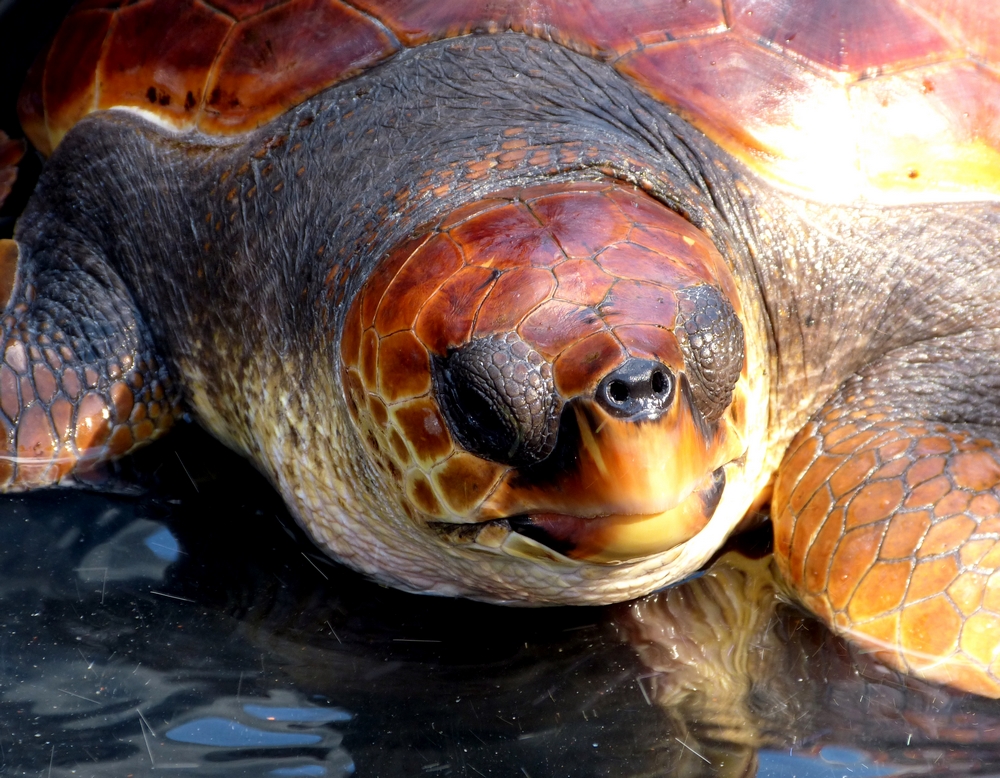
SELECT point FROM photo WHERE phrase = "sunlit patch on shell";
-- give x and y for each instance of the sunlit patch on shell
(820, 118)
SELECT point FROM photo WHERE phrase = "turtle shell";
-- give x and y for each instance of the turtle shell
(890, 101)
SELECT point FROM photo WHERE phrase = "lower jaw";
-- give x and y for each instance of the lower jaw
(611, 539)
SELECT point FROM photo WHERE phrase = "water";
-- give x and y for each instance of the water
(180, 620)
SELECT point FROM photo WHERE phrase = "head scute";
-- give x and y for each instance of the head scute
(711, 338)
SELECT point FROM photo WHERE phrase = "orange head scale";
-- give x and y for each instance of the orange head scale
(554, 373)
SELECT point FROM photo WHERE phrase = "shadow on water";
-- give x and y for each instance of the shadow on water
(173, 617)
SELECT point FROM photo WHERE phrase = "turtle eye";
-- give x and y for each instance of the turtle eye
(712, 341)
(498, 399)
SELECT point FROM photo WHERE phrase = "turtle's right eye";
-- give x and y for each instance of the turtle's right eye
(499, 400)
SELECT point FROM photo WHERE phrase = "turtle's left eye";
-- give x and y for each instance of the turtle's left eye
(498, 399)
(712, 340)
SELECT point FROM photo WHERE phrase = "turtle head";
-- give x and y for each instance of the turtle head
(553, 375)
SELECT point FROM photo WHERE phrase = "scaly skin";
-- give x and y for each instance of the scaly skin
(74, 389)
(888, 527)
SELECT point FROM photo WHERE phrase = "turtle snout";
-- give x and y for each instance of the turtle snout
(639, 389)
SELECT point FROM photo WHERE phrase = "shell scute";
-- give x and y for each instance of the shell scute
(843, 35)
(975, 23)
(601, 27)
(224, 67)
(68, 87)
(183, 40)
(750, 99)
(818, 96)
(952, 132)
(277, 59)
(243, 9)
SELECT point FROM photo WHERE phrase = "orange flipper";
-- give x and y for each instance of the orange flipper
(11, 152)
(66, 403)
(889, 529)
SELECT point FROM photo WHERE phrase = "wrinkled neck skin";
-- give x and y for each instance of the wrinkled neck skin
(246, 255)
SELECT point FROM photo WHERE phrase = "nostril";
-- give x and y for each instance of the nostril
(618, 392)
(638, 389)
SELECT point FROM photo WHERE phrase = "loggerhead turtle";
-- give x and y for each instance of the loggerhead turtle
(533, 301)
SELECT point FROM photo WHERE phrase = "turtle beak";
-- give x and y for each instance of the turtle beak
(620, 486)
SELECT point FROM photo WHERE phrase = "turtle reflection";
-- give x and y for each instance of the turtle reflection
(754, 686)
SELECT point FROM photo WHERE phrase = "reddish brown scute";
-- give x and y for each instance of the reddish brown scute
(886, 100)
(586, 274)
(223, 67)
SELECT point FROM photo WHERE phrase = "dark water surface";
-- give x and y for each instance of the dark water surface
(172, 617)
(182, 622)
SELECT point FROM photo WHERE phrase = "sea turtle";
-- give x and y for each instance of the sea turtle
(533, 301)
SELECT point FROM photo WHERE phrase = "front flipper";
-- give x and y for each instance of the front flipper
(11, 152)
(79, 382)
(887, 524)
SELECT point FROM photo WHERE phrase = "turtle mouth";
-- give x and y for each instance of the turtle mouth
(606, 539)
(613, 491)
